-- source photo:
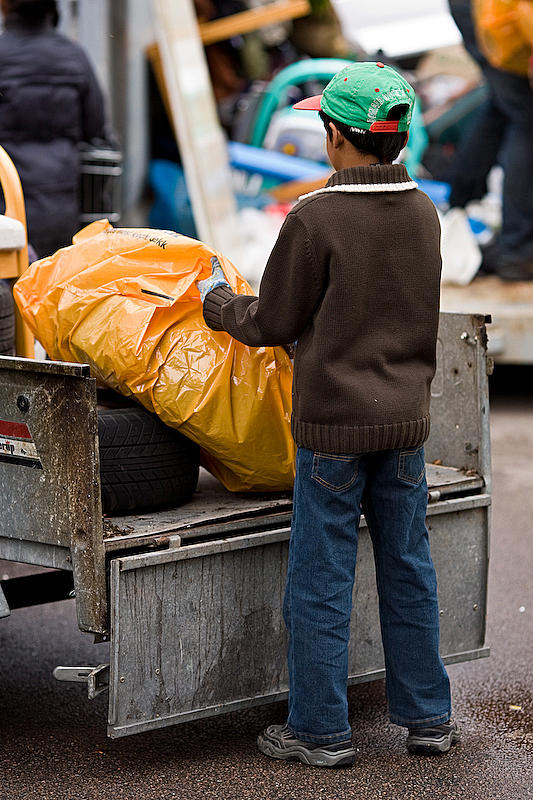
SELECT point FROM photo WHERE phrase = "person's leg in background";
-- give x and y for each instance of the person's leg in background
(477, 152)
(461, 12)
(514, 97)
(395, 504)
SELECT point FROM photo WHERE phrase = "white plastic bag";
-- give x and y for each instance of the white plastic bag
(461, 256)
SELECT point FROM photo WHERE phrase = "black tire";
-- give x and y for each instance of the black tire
(144, 464)
(7, 321)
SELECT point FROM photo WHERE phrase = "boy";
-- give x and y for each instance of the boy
(354, 279)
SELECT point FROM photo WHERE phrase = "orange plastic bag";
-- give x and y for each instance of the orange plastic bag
(505, 32)
(125, 302)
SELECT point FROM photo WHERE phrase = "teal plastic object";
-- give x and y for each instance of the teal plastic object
(320, 69)
(418, 141)
(323, 69)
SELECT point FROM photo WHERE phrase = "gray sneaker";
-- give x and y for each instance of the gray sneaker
(278, 741)
(433, 740)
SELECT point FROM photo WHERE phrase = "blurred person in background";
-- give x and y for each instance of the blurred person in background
(498, 34)
(50, 102)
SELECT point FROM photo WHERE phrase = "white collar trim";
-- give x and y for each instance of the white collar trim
(363, 187)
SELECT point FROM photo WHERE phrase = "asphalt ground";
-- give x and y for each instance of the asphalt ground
(53, 744)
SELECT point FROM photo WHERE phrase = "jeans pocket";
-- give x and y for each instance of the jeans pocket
(411, 465)
(335, 472)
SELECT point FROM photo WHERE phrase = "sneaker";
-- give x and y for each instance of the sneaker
(278, 741)
(434, 739)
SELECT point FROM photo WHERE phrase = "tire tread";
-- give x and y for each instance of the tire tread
(144, 464)
(7, 321)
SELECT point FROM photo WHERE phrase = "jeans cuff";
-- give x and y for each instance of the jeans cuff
(322, 738)
(420, 723)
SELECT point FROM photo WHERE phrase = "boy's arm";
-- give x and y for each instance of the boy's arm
(290, 291)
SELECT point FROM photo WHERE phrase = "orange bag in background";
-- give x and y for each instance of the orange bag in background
(125, 301)
(505, 32)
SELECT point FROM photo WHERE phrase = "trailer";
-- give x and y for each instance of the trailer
(190, 599)
(511, 309)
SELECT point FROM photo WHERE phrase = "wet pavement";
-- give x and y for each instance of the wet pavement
(53, 744)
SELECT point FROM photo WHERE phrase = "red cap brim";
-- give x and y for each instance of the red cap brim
(309, 104)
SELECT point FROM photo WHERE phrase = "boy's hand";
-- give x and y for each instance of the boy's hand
(217, 279)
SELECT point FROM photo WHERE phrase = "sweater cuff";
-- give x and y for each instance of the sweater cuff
(213, 303)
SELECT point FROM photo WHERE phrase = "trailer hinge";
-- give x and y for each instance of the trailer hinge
(96, 678)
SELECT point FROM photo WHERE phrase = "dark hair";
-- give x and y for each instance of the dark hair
(385, 146)
(32, 12)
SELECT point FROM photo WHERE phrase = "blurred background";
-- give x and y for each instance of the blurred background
(201, 137)
(120, 38)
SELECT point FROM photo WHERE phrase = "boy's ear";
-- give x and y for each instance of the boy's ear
(337, 139)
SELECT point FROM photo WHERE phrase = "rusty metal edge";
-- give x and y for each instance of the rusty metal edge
(85, 509)
(48, 367)
(156, 557)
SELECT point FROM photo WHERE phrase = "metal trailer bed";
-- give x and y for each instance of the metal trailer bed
(511, 308)
(190, 599)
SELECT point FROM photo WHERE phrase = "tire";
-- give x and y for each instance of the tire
(144, 464)
(7, 321)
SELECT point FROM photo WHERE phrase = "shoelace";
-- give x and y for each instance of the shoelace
(284, 732)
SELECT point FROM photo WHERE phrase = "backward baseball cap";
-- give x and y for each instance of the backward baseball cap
(362, 95)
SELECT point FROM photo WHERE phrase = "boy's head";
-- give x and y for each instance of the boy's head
(366, 106)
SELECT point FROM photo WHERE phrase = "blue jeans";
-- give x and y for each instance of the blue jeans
(330, 490)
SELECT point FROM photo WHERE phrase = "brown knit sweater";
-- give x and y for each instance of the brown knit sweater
(354, 279)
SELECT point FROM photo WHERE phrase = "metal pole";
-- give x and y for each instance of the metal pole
(93, 27)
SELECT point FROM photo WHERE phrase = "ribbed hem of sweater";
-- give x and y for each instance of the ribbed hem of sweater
(213, 306)
(360, 439)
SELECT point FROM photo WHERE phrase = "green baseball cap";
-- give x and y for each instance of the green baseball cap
(362, 94)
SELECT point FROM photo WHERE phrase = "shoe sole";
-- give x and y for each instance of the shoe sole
(421, 746)
(313, 758)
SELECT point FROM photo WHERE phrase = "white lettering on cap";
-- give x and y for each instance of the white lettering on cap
(384, 97)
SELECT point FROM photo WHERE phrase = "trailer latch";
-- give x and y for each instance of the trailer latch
(96, 678)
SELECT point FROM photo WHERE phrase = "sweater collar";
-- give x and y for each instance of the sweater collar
(376, 178)
(377, 173)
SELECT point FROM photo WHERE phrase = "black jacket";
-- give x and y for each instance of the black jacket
(50, 101)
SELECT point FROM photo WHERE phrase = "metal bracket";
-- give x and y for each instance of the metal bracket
(5, 611)
(96, 678)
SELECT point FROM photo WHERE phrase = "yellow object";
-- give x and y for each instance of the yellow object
(125, 302)
(289, 148)
(505, 32)
(14, 262)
